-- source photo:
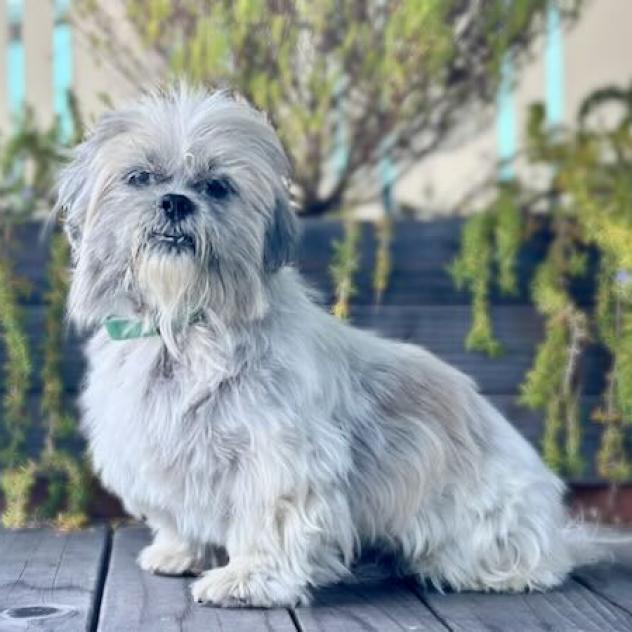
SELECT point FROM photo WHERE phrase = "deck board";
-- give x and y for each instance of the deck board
(50, 580)
(612, 579)
(571, 607)
(136, 601)
(376, 606)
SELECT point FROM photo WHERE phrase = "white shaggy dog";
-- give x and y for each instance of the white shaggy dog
(235, 414)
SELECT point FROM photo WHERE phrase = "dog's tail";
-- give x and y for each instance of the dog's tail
(590, 543)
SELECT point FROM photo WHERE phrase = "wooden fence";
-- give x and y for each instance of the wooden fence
(420, 305)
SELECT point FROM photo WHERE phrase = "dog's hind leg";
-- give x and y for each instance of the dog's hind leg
(513, 548)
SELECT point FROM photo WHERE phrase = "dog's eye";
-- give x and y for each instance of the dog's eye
(140, 178)
(217, 188)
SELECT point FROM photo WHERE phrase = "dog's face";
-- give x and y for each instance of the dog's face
(174, 206)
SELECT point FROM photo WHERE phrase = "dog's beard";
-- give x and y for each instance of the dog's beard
(174, 287)
(181, 282)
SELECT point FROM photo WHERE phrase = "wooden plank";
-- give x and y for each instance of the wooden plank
(50, 580)
(371, 606)
(443, 328)
(570, 607)
(72, 360)
(530, 424)
(134, 600)
(420, 254)
(28, 250)
(612, 579)
(517, 327)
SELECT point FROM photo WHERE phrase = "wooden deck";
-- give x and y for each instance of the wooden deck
(90, 581)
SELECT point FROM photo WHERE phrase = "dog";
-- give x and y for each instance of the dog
(239, 418)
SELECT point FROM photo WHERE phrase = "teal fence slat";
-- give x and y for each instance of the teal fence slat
(389, 177)
(506, 120)
(554, 64)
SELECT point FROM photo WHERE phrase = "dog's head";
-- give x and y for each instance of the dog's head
(177, 205)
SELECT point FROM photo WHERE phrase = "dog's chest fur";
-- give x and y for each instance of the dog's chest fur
(150, 441)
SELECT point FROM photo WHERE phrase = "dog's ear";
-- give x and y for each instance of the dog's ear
(281, 237)
(72, 196)
(76, 182)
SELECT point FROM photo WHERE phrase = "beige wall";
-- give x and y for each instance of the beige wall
(97, 80)
(597, 51)
(92, 78)
(37, 28)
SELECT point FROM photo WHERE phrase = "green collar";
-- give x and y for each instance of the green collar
(119, 328)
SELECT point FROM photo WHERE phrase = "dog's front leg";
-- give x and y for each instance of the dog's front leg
(269, 565)
(169, 553)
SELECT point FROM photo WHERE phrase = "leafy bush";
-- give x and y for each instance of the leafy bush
(586, 201)
(29, 159)
(346, 84)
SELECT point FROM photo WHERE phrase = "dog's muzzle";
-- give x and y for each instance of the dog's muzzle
(173, 241)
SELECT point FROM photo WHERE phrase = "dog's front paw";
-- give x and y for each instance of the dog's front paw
(235, 587)
(167, 559)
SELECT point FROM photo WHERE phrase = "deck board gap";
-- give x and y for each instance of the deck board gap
(415, 588)
(295, 620)
(104, 569)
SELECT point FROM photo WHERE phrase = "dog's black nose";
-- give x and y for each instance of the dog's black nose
(176, 207)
